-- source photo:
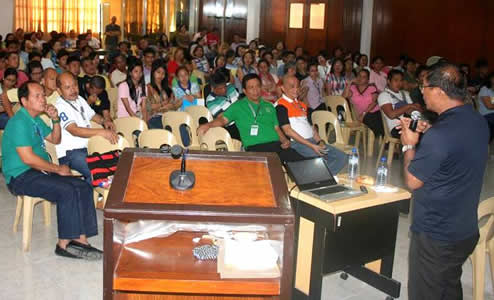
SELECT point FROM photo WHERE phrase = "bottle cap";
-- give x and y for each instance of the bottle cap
(354, 150)
(383, 159)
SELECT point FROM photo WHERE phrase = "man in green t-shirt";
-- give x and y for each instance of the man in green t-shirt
(28, 171)
(256, 121)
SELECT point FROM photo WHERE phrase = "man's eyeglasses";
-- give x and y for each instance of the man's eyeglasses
(422, 87)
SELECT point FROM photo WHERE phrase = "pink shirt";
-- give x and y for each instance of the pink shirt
(123, 92)
(361, 101)
(379, 79)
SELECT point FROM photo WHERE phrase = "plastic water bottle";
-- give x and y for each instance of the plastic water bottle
(382, 172)
(353, 161)
(341, 119)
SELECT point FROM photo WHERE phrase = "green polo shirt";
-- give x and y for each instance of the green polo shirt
(244, 117)
(22, 131)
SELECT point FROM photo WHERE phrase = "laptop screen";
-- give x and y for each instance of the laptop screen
(310, 173)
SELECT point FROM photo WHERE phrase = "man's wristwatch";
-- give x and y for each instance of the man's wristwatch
(407, 147)
(55, 121)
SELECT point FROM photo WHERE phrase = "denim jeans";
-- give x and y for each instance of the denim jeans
(336, 159)
(76, 160)
(4, 118)
(76, 214)
(155, 122)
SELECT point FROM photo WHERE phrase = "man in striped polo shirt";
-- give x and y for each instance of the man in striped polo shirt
(292, 118)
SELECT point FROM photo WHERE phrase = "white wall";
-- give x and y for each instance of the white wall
(366, 33)
(6, 16)
(253, 19)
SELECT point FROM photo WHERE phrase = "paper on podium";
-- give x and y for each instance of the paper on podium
(255, 259)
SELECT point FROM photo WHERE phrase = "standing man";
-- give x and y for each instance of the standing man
(445, 170)
(28, 171)
(112, 34)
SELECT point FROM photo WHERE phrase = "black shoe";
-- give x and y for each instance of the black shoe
(85, 251)
(64, 253)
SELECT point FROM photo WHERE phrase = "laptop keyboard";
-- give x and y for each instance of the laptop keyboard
(329, 190)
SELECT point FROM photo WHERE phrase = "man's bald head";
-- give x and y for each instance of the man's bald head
(449, 79)
(49, 79)
(290, 86)
(67, 86)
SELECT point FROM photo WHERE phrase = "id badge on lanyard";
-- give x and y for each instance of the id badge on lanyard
(254, 128)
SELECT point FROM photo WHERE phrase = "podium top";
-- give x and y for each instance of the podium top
(227, 184)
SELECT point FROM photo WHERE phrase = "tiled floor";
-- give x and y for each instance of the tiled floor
(39, 274)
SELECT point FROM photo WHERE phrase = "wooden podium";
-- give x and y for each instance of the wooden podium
(231, 188)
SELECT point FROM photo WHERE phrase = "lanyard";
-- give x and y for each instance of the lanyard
(188, 90)
(81, 112)
(255, 113)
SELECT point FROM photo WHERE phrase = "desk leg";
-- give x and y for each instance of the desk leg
(309, 261)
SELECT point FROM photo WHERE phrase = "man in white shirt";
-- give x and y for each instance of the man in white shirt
(75, 116)
(395, 102)
(120, 73)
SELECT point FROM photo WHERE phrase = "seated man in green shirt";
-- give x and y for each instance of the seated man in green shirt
(28, 171)
(256, 121)
(222, 96)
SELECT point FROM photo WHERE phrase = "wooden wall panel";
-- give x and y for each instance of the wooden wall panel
(343, 22)
(423, 28)
(236, 24)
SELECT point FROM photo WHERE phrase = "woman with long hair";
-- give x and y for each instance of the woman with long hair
(269, 89)
(160, 98)
(132, 92)
(178, 60)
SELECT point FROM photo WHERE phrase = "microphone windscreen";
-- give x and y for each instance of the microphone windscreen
(176, 151)
(416, 115)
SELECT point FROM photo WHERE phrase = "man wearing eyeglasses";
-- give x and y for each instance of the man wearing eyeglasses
(444, 169)
(75, 117)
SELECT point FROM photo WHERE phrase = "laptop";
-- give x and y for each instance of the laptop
(313, 177)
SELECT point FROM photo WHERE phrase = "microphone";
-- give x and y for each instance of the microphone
(416, 116)
(181, 179)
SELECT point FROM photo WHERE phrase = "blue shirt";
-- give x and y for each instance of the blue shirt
(485, 92)
(450, 160)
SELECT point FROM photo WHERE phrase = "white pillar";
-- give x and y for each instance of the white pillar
(7, 16)
(253, 19)
(366, 30)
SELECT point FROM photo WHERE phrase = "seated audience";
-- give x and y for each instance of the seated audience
(270, 91)
(292, 118)
(178, 60)
(301, 65)
(12, 61)
(182, 37)
(74, 66)
(256, 121)
(186, 91)
(148, 57)
(46, 60)
(323, 66)
(486, 102)
(223, 95)
(62, 58)
(286, 57)
(315, 87)
(199, 61)
(75, 116)
(395, 102)
(160, 98)
(49, 83)
(28, 171)
(119, 74)
(363, 95)
(349, 71)
(246, 67)
(97, 98)
(362, 63)
(335, 82)
(35, 71)
(132, 92)
(8, 83)
(377, 76)
(410, 81)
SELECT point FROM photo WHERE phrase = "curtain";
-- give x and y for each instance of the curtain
(59, 15)
(133, 16)
(155, 16)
